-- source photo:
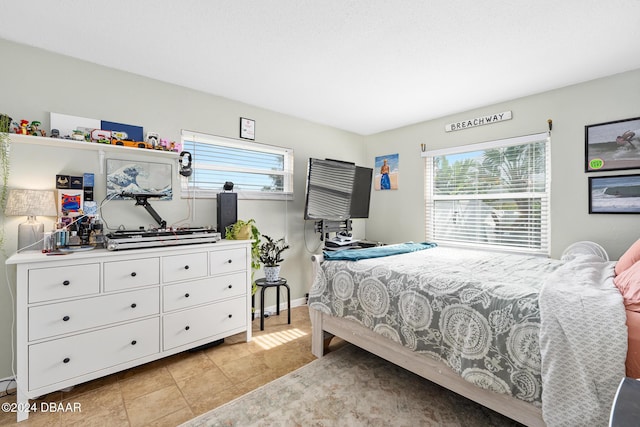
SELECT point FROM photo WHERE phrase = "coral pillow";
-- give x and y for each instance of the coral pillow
(628, 282)
(633, 351)
(628, 258)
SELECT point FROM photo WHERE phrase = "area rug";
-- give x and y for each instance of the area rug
(351, 387)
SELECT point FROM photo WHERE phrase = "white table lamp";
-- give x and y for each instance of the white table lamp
(31, 203)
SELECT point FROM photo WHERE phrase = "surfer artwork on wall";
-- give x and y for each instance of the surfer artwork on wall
(612, 145)
(614, 194)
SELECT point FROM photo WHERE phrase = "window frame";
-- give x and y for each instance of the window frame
(544, 197)
(188, 189)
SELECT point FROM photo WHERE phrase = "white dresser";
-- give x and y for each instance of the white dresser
(88, 314)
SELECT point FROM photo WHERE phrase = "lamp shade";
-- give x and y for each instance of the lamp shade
(31, 203)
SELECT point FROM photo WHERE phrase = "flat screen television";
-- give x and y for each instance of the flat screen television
(361, 194)
(337, 190)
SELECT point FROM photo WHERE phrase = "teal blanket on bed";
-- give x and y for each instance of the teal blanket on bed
(376, 252)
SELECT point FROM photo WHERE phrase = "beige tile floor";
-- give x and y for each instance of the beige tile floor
(173, 390)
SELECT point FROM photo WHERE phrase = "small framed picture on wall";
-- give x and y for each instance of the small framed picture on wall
(612, 145)
(619, 194)
(387, 171)
(247, 128)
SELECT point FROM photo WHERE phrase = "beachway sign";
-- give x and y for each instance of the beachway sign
(478, 121)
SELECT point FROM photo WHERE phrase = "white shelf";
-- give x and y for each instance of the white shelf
(80, 145)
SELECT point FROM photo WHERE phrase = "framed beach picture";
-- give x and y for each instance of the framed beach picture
(128, 176)
(386, 172)
(612, 145)
(618, 194)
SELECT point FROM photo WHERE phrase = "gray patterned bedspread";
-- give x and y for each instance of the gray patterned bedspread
(475, 311)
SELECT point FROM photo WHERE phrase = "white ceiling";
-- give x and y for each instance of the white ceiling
(361, 65)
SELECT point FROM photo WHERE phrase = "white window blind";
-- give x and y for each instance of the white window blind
(494, 194)
(258, 171)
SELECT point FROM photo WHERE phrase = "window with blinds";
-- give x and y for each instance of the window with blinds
(258, 171)
(493, 194)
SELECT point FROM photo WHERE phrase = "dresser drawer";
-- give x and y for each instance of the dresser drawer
(71, 316)
(184, 267)
(59, 360)
(198, 323)
(228, 261)
(46, 284)
(203, 291)
(119, 275)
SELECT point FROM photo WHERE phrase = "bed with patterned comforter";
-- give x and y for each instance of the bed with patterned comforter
(477, 312)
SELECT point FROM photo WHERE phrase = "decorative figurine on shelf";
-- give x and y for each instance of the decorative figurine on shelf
(33, 129)
(152, 140)
(55, 133)
(78, 135)
(21, 128)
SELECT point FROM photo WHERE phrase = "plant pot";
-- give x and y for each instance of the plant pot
(244, 233)
(272, 274)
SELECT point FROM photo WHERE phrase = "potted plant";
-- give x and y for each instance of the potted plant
(247, 230)
(270, 255)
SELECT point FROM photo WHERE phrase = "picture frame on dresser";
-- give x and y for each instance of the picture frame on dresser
(612, 145)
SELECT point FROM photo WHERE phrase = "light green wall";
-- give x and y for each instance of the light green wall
(36, 82)
(399, 215)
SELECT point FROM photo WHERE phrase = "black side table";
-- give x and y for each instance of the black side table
(263, 284)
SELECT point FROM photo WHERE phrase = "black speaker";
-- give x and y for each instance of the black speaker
(227, 211)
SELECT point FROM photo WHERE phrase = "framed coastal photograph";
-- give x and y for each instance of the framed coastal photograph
(612, 145)
(386, 172)
(618, 194)
(138, 177)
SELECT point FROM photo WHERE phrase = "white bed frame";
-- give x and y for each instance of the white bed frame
(324, 326)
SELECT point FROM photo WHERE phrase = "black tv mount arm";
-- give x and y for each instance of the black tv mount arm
(326, 226)
(142, 199)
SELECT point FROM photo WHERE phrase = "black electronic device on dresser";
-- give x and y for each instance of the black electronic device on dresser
(227, 210)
